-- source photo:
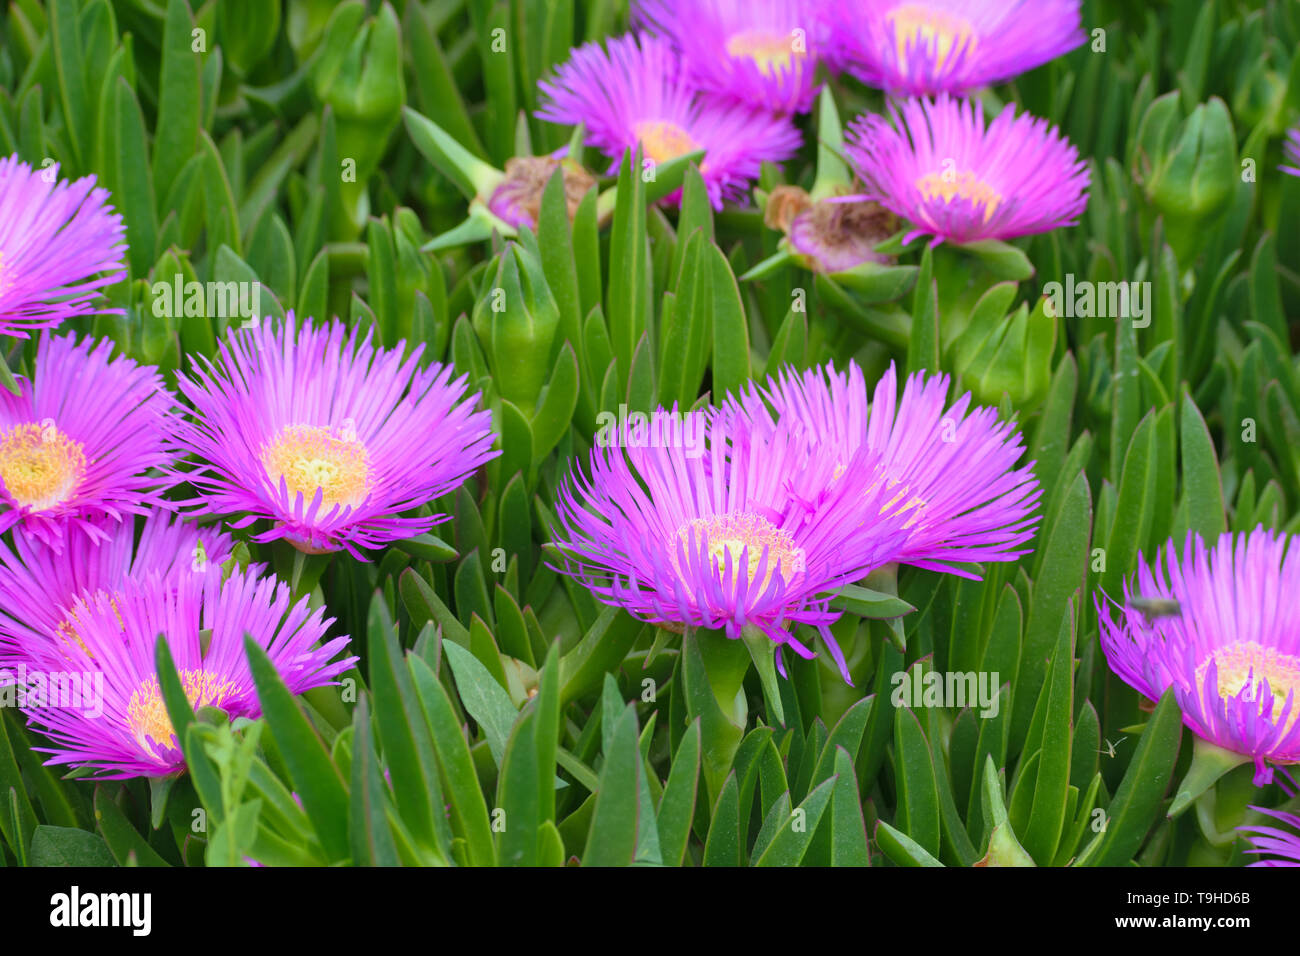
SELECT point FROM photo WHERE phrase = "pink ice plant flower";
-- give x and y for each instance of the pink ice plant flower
(43, 592)
(124, 730)
(760, 52)
(926, 47)
(1231, 652)
(84, 441)
(1291, 149)
(329, 437)
(935, 164)
(954, 469)
(61, 244)
(1276, 846)
(743, 528)
(634, 90)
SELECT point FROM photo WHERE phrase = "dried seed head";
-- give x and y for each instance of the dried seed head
(518, 200)
(840, 235)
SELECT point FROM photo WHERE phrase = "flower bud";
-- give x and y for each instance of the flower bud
(359, 75)
(305, 22)
(246, 32)
(516, 320)
(1188, 173)
(1012, 355)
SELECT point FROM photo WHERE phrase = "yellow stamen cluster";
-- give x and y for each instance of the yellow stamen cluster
(732, 535)
(663, 141)
(146, 713)
(1246, 666)
(310, 457)
(920, 26)
(40, 466)
(949, 185)
(771, 52)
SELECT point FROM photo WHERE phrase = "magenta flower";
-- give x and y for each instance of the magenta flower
(43, 592)
(715, 524)
(938, 167)
(78, 444)
(56, 240)
(635, 91)
(951, 468)
(1282, 846)
(760, 52)
(120, 728)
(330, 439)
(1292, 150)
(1231, 652)
(926, 47)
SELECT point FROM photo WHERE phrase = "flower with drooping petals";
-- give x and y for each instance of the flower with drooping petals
(43, 592)
(926, 47)
(1275, 846)
(745, 531)
(828, 236)
(760, 52)
(77, 444)
(125, 731)
(1231, 652)
(634, 90)
(60, 244)
(938, 167)
(954, 466)
(330, 438)
(517, 199)
(836, 237)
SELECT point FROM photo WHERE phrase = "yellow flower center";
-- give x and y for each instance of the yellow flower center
(771, 52)
(949, 185)
(309, 457)
(40, 466)
(1247, 666)
(732, 536)
(663, 141)
(146, 713)
(919, 26)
